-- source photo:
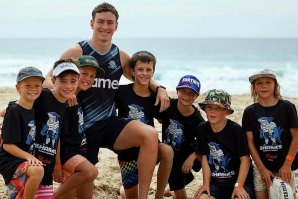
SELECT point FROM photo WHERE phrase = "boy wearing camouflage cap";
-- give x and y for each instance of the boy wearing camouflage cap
(224, 150)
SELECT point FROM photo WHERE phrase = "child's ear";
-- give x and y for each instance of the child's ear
(18, 88)
(53, 80)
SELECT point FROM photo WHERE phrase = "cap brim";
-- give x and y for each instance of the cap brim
(204, 103)
(257, 76)
(185, 86)
(99, 71)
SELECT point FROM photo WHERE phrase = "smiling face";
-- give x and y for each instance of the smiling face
(104, 25)
(143, 72)
(87, 77)
(186, 96)
(65, 85)
(29, 89)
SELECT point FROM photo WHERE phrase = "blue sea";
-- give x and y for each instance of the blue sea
(218, 63)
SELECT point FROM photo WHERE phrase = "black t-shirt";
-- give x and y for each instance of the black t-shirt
(179, 131)
(48, 115)
(19, 129)
(223, 150)
(132, 106)
(72, 134)
(271, 131)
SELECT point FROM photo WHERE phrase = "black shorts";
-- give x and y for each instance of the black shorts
(103, 134)
(178, 180)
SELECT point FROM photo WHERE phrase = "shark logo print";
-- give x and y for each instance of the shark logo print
(136, 113)
(174, 134)
(51, 129)
(217, 158)
(112, 65)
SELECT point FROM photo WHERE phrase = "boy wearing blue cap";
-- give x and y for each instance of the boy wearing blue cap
(178, 123)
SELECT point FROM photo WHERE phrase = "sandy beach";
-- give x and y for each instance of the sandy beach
(107, 182)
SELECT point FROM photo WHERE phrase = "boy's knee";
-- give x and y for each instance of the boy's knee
(166, 152)
(35, 172)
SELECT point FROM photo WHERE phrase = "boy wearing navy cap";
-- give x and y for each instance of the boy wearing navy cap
(178, 123)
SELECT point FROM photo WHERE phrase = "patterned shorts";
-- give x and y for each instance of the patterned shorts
(16, 186)
(45, 192)
(129, 173)
(70, 165)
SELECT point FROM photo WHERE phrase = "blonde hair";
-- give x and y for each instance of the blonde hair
(276, 91)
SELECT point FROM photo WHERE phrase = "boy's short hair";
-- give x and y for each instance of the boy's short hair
(90, 61)
(219, 98)
(105, 7)
(191, 82)
(27, 72)
(63, 65)
(142, 56)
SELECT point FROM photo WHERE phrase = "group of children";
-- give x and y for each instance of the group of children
(44, 140)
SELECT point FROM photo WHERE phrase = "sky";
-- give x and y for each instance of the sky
(153, 18)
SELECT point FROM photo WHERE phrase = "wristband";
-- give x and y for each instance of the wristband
(58, 166)
(160, 86)
(290, 158)
(238, 184)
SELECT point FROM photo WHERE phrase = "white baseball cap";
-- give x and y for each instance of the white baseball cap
(64, 66)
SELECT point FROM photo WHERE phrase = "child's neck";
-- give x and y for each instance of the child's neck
(141, 90)
(59, 98)
(218, 127)
(25, 103)
(185, 110)
(270, 101)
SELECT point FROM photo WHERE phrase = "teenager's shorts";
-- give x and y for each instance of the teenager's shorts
(260, 185)
(45, 192)
(103, 134)
(129, 173)
(16, 186)
(70, 165)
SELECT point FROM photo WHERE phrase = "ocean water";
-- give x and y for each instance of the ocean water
(217, 63)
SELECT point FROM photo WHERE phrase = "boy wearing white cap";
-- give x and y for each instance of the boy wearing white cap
(271, 126)
(21, 171)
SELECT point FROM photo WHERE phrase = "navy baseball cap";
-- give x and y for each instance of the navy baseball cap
(191, 82)
(27, 72)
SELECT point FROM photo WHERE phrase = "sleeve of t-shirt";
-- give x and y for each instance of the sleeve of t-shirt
(201, 146)
(240, 140)
(11, 129)
(292, 115)
(246, 120)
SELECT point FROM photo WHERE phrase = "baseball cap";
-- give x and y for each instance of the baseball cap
(280, 190)
(90, 61)
(263, 73)
(64, 66)
(27, 72)
(219, 98)
(191, 82)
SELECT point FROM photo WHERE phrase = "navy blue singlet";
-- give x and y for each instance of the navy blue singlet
(98, 102)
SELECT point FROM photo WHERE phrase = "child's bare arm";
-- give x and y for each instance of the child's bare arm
(206, 178)
(188, 163)
(285, 170)
(17, 152)
(239, 191)
(265, 173)
(58, 173)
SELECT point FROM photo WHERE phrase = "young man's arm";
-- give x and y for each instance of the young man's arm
(239, 191)
(265, 173)
(72, 52)
(285, 170)
(162, 95)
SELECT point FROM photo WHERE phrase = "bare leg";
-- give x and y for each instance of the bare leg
(85, 191)
(84, 173)
(131, 193)
(180, 194)
(34, 177)
(165, 155)
(138, 134)
(262, 194)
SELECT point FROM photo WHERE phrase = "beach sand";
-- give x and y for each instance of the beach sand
(108, 180)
